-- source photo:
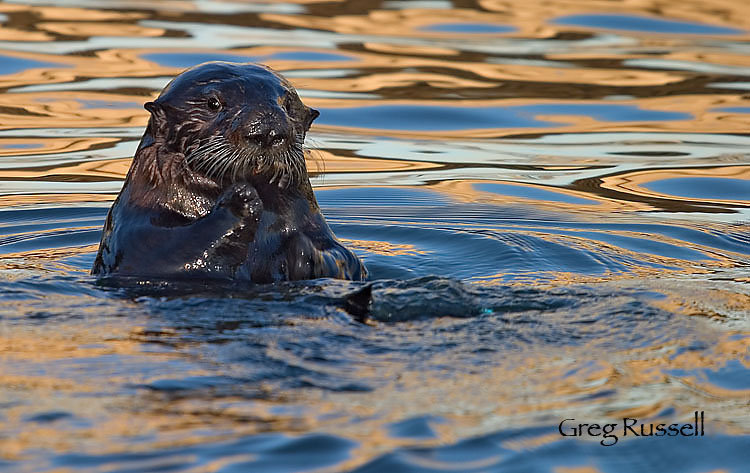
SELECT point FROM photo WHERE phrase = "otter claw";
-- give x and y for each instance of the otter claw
(242, 200)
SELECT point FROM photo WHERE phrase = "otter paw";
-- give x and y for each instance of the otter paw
(242, 200)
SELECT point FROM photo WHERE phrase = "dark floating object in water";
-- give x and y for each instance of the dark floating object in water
(218, 188)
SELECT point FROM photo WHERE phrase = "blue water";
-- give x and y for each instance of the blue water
(526, 192)
(703, 188)
(646, 24)
(21, 145)
(555, 223)
(434, 118)
(13, 65)
(734, 109)
(474, 28)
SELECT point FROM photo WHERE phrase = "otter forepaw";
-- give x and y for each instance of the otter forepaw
(242, 200)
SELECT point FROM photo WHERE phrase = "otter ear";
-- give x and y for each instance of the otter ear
(312, 114)
(151, 106)
(158, 117)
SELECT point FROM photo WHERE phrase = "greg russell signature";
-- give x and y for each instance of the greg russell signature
(631, 427)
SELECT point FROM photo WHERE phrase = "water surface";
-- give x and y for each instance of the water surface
(552, 199)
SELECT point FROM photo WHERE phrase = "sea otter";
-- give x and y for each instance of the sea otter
(218, 187)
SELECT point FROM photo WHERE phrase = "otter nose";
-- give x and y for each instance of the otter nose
(267, 132)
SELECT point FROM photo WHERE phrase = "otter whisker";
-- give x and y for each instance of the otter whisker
(218, 158)
(245, 163)
(275, 175)
(229, 162)
(215, 170)
(201, 152)
(215, 148)
(241, 164)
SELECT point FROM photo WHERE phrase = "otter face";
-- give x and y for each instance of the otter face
(234, 121)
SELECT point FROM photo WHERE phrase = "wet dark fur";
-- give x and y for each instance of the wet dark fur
(218, 187)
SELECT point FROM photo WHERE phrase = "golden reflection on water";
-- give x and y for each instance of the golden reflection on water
(405, 22)
(59, 126)
(383, 247)
(113, 169)
(318, 162)
(722, 12)
(20, 147)
(100, 29)
(22, 264)
(67, 198)
(635, 182)
(49, 110)
(65, 347)
(521, 386)
(69, 109)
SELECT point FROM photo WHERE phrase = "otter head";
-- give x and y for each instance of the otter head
(226, 122)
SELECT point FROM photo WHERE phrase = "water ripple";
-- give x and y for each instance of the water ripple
(552, 199)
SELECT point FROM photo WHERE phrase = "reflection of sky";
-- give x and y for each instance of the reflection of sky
(379, 196)
(733, 375)
(191, 59)
(431, 4)
(730, 85)
(108, 104)
(416, 428)
(645, 245)
(436, 118)
(692, 66)
(20, 145)
(95, 103)
(12, 65)
(477, 28)
(108, 84)
(533, 193)
(702, 188)
(733, 109)
(645, 24)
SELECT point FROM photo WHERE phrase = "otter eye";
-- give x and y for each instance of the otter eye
(213, 104)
